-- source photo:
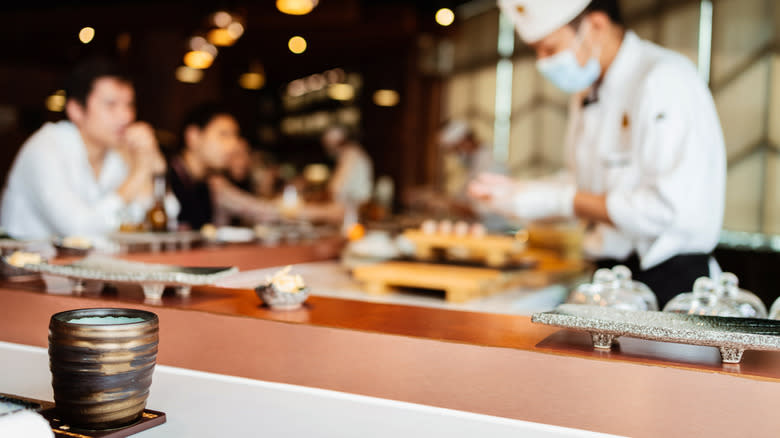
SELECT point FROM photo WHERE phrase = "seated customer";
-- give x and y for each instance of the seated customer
(209, 137)
(78, 176)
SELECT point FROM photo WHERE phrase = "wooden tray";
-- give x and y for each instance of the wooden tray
(459, 283)
(493, 250)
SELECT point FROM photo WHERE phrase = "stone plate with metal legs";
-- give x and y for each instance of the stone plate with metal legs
(731, 335)
(153, 278)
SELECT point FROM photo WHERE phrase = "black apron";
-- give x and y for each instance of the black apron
(674, 276)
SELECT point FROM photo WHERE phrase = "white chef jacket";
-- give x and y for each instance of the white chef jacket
(651, 142)
(52, 189)
(353, 178)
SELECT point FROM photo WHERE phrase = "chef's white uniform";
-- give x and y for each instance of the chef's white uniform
(652, 143)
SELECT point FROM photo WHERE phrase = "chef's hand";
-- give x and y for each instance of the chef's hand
(526, 200)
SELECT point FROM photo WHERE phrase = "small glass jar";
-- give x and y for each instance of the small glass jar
(623, 277)
(774, 312)
(703, 300)
(614, 288)
(748, 304)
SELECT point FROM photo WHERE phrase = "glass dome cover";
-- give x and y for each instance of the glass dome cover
(774, 312)
(703, 300)
(614, 288)
(748, 304)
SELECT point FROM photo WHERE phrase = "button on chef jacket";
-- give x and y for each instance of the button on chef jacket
(653, 144)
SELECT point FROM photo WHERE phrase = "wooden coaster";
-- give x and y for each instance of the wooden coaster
(149, 419)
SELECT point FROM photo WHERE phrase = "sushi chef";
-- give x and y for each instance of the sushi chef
(645, 156)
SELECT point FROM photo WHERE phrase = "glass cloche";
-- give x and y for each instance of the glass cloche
(774, 312)
(705, 299)
(614, 288)
(749, 305)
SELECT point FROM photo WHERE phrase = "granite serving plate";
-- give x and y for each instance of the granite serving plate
(731, 335)
(153, 278)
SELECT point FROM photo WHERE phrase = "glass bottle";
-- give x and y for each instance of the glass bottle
(748, 304)
(703, 300)
(156, 217)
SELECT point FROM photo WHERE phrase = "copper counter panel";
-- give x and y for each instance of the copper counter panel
(492, 364)
(246, 256)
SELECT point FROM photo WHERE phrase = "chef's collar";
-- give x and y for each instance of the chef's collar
(592, 96)
(619, 72)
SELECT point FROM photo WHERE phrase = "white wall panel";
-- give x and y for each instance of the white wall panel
(740, 28)
(476, 39)
(553, 133)
(743, 195)
(772, 199)
(524, 82)
(680, 30)
(774, 102)
(742, 108)
(521, 143)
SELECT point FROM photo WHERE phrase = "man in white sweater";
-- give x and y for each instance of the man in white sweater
(79, 176)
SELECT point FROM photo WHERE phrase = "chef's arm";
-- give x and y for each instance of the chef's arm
(591, 207)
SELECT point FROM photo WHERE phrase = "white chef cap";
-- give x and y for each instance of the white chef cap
(535, 19)
(453, 133)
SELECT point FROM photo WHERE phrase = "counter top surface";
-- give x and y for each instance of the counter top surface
(199, 404)
(500, 365)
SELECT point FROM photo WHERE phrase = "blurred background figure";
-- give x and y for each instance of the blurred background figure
(349, 186)
(353, 178)
(78, 176)
(465, 157)
(210, 140)
(239, 168)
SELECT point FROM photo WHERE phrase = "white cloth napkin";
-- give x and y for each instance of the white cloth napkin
(24, 424)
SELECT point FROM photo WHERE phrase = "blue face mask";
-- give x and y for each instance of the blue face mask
(566, 73)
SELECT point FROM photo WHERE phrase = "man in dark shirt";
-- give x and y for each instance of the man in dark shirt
(210, 135)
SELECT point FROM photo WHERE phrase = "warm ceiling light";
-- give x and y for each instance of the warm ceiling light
(197, 42)
(296, 7)
(316, 173)
(222, 19)
(297, 45)
(341, 91)
(210, 49)
(86, 34)
(56, 102)
(252, 80)
(335, 75)
(188, 75)
(235, 30)
(386, 97)
(220, 37)
(445, 16)
(296, 88)
(198, 59)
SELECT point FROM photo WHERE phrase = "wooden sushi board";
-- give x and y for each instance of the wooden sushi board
(493, 250)
(461, 283)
